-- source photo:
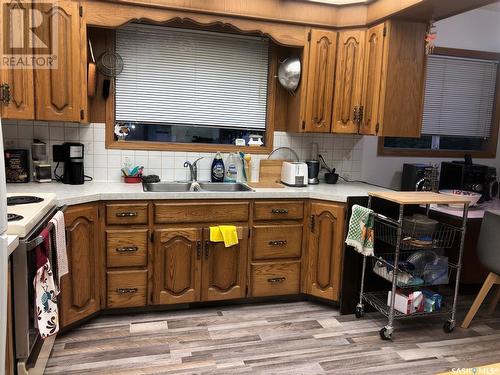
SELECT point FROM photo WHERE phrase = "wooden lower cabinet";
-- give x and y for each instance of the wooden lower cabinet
(177, 265)
(80, 289)
(224, 268)
(187, 267)
(325, 250)
(127, 288)
(274, 278)
(141, 264)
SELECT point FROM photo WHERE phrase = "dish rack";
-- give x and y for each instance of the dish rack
(391, 234)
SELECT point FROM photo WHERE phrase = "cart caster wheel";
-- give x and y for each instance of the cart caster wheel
(386, 333)
(360, 312)
(449, 326)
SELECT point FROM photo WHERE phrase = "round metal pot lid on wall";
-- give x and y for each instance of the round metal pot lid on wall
(289, 73)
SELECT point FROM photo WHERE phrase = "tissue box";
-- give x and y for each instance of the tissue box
(407, 302)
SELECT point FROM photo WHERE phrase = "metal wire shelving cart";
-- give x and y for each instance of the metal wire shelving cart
(392, 234)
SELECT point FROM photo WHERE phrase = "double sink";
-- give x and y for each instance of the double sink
(175, 187)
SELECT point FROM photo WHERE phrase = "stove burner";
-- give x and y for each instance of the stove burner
(14, 217)
(22, 199)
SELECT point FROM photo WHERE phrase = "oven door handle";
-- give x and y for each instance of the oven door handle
(30, 245)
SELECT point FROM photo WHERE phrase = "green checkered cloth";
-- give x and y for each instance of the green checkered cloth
(360, 233)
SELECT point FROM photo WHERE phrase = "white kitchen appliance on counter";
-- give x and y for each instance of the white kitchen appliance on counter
(294, 174)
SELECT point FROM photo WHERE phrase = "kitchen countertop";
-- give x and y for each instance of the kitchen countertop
(475, 212)
(95, 191)
(13, 242)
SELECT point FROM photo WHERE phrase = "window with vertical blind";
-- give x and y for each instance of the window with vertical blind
(459, 107)
(183, 85)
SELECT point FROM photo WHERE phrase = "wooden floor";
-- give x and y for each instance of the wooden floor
(285, 338)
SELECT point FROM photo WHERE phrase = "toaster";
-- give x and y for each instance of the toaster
(294, 174)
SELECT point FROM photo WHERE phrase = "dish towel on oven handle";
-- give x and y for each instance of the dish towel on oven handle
(60, 242)
(47, 314)
(360, 233)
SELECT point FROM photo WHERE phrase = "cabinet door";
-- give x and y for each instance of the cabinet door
(19, 77)
(373, 80)
(224, 268)
(325, 250)
(177, 265)
(58, 90)
(320, 81)
(80, 289)
(348, 81)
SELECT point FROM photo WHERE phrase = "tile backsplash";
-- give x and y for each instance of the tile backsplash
(342, 152)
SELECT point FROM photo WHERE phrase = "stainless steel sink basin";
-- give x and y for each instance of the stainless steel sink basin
(175, 187)
(162, 187)
(217, 186)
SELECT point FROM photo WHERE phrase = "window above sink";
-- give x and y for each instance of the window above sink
(185, 89)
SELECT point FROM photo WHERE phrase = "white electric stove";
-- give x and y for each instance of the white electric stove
(25, 211)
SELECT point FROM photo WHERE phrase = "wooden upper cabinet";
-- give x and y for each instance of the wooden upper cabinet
(372, 80)
(80, 289)
(325, 250)
(19, 77)
(224, 268)
(177, 265)
(320, 81)
(348, 81)
(58, 90)
(394, 78)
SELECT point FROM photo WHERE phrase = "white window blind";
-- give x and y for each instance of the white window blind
(459, 96)
(188, 77)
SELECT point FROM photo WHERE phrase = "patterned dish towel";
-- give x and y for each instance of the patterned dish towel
(47, 315)
(360, 233)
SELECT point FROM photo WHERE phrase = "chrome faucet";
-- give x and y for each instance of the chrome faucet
(193, 169)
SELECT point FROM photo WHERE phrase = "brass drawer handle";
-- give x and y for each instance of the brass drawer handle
(279, 211)
(276, 280)
(126, 290)
(127, 249)
(277, 243)
(127, 214)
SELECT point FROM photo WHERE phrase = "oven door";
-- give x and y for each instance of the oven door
(27, 338)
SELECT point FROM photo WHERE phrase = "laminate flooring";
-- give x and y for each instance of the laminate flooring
(272, 338)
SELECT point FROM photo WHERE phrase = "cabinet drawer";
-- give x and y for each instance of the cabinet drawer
(275, 279)
(127, 248)
(127, 288)
(276, 241)
(278, 210)
(119, 213)
(198, 212)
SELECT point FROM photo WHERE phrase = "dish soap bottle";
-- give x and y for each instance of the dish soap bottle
(231, 168)
(218, 168)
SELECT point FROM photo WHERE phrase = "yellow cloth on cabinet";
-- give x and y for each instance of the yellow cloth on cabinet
(224, 233)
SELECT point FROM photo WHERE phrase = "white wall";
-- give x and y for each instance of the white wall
(477, 30)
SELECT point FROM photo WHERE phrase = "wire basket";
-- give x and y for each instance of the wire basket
(415, 269)
(441, 238)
